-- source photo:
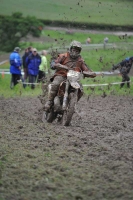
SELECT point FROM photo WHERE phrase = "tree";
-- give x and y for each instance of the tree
(15, 27)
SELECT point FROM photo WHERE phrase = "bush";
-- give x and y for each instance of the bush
(15, 27)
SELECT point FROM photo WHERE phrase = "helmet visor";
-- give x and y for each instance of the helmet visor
(77, 49)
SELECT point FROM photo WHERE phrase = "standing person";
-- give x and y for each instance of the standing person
(106, 39)
(88, 41)
(28, 51)
(15, 66)
(73, 60)
(24, 64)
(43, 66)
(124, 67)
(33, 61)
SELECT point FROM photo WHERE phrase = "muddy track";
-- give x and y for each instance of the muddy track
(90, 160)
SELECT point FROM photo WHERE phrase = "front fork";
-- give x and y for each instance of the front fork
(65, 99)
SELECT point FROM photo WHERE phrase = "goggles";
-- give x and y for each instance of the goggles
(76, 48)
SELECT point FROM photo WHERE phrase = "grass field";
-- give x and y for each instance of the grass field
(93, 11)
(97, 59)
(95, 56)
(18, 90)
(59, 39)
(63, 38)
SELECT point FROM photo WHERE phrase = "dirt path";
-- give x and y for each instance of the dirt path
(90, 160)
(90, 31)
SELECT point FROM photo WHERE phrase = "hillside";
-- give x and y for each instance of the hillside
(111, 12)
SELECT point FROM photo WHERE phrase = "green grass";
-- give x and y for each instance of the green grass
(93, 11)
(59, 36)
(18, 90)
(59, 39)
(98, 59)
(38, 45)
(108, 58)
(95, 86)
(120, 49)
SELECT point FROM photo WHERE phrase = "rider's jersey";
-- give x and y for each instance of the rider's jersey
(77, 64)
(124, 66)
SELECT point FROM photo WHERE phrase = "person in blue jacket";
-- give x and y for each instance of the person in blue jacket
(15, 66)
(124, 67)
(33, 61)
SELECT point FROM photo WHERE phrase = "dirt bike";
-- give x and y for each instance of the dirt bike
(68, 95)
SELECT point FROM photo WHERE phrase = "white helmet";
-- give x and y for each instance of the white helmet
(75, 45)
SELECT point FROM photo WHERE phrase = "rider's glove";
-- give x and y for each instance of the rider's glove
(52, 65)
(113, 68)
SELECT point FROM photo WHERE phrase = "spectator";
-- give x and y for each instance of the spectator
(15, 66)
(88, 41)
(124, 67)
(28, 51)
(33, 61)
(106, 39)
(43, 66)
(24, 64)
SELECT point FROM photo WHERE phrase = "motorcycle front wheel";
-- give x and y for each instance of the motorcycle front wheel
(68, 113)
(50, 116)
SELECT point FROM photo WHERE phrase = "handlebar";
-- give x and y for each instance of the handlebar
(59, 66)
(85, 73)
(89, 74)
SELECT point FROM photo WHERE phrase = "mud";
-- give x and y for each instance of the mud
(90, 160)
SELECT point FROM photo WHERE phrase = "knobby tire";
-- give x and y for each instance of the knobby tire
(67, 116)
(50, 117)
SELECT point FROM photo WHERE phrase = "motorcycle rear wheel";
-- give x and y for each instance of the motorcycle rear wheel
(67, 115)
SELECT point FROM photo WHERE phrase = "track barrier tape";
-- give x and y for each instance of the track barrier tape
(84, 85)
(105, 84)
(25, 83)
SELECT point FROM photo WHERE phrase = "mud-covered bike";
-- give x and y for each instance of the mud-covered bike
(68, 94)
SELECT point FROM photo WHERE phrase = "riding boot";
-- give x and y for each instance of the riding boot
(49, 103)
(128, 85)
(121, 85)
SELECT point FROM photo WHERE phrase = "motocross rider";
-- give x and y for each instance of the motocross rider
(124, 67)
(73, 60)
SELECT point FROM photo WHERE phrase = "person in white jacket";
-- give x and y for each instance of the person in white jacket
(43, 66)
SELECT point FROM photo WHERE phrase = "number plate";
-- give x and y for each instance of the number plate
(72, 73)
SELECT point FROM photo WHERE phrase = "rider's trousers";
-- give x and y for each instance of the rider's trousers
(54, 86)
(125, 78)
